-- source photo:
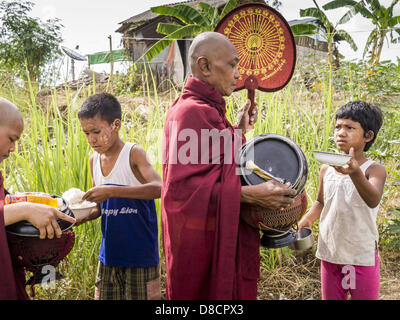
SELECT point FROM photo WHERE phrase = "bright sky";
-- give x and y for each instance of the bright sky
(88, 23)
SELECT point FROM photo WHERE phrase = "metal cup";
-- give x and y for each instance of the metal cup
(304, 240)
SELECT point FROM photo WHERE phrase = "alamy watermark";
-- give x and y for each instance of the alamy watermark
(349, 280)
(49, 278)
(199, 147)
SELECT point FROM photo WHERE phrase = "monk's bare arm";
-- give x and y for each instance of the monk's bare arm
(270, 194)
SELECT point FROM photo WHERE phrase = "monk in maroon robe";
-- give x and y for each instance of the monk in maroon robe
(12, 280)
(210, 252)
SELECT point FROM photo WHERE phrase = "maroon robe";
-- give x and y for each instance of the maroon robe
(12, 282)
(210, 252)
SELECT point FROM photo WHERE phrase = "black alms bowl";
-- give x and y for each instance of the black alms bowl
(26, 229)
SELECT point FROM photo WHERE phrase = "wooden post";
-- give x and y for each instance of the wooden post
(111, 63)
(73, 69)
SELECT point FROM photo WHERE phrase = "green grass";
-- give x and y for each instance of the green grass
(53, 154)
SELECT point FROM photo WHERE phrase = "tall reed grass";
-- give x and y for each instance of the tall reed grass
(53, 154)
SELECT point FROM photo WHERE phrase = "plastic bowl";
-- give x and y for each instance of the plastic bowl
(331, 158)
(80, 213)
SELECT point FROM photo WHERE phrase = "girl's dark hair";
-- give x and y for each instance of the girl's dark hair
(104, 104)
(367, 114)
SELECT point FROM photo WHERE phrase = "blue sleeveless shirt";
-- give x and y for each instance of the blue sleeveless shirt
(128, 226)
(130, 234)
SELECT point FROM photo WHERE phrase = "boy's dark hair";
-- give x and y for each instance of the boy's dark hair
(367, 114)
(104, 104)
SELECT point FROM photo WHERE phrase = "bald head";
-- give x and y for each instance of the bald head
(9, 113)
(210, 45)
(214, 59)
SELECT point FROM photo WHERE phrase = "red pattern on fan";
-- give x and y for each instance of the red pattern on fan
(265, 46)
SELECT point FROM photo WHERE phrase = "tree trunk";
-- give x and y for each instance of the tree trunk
(373, 51)
(330, 51)
(337, 56)
(380, 46)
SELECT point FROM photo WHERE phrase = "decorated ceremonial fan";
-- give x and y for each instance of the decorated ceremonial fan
(265, 46)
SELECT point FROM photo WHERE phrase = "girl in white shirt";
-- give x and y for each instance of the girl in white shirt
(347, 205)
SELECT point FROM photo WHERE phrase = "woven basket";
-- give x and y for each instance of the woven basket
(266, 219)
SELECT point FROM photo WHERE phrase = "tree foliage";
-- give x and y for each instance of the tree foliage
(26, 43)
(204, 17)
(329, 30)
(382, 18)
(192, 21)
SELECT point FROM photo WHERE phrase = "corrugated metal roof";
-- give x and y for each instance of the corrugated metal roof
(306, 20)
(318, 36)
(148, 15)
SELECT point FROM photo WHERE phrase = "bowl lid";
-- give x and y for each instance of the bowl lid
(275, 154)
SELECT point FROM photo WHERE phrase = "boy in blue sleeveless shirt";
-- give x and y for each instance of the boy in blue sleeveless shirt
(124, 185)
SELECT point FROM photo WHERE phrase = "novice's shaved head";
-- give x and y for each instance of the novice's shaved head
(9, 113)
(11, 127)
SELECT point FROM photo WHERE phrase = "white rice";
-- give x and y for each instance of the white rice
(74, 198)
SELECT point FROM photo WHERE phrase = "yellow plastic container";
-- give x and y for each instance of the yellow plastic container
(36, 197)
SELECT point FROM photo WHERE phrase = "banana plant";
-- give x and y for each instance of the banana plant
(382, 18)
(192, 22)
(329, 31)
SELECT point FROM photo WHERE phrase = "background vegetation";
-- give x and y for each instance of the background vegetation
(53, 154)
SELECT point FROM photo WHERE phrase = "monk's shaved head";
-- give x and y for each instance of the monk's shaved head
(214, 59)
(9, 113)
(210, 45)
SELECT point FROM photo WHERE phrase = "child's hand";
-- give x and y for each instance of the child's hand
(94, 214)
(351, 166)
(98, 194)
(304, 223)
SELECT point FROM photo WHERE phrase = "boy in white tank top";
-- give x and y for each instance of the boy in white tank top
(347, 205)
(124, 185)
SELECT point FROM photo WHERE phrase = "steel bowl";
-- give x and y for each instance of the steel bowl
(304, 240)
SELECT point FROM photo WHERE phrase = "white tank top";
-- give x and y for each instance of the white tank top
(120, 174)
(347, 229)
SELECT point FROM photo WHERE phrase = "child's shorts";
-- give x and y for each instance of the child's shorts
(124, 283)
(337, 280)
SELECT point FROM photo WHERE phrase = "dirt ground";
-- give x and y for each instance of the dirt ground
(298, 278)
